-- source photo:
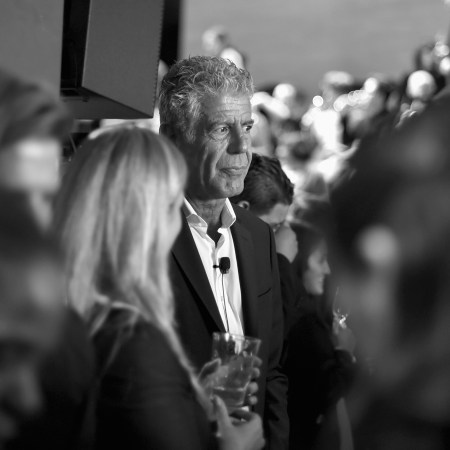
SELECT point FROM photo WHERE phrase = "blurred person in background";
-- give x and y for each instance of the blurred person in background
(295, 101)
(206, 110)
(118, 216)
(393, 222)
(266, 112)
(323, 120)
(268, 193)
(263, 111)
(363, 114)
(368, 113)
(309, 197)
(284, 110)
(296, 158)
(424, 57)
(216, 42)
(420, 89)
(33, 123)
(277, 118)
(319, 361)
(30, 315)
(428, 57)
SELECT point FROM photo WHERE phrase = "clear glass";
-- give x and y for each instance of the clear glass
(237, 354)
(341, 309)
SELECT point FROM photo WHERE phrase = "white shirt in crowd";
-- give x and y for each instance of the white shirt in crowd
(226, 288)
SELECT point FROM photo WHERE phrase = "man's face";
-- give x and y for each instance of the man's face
(31, 166)
(220, 154)
(276, 216)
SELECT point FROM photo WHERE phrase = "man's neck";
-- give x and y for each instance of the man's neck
(210, 211)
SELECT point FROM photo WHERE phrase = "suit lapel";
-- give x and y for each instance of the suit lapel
(186, 255)
(243, 245)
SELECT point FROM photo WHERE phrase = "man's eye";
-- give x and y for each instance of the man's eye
(221, 130)
(247, 128)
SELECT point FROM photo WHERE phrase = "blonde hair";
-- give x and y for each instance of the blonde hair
(112, 216)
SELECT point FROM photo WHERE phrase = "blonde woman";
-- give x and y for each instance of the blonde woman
(118, 215)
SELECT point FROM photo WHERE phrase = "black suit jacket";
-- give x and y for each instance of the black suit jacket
(145, 398)
(198, 316)
(290, 292)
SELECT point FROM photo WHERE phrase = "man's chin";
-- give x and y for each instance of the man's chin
(232, 192)
(216, 192)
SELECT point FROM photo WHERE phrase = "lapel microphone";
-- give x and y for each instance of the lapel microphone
(224, 265)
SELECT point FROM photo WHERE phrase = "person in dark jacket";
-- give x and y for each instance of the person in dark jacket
(118, 215)
(393, 222)
(319, 361)
(30, 315)
(268, 193)
(34, 122)
(206, 111)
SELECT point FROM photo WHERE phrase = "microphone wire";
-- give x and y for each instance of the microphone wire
(224, 304)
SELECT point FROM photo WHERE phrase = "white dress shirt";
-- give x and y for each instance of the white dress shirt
(226, 288)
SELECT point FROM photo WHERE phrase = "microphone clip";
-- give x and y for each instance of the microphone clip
(224, 265)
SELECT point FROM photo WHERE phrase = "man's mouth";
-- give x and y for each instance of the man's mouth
(234, 170)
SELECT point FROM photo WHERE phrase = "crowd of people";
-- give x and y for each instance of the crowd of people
(332, 218)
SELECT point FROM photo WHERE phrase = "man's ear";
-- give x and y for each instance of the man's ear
(244, 204)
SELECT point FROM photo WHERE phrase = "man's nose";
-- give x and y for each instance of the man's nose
(239, 142)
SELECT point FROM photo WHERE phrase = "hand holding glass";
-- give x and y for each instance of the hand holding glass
(237, 355)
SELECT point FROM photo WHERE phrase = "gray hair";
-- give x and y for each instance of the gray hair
(190, 81)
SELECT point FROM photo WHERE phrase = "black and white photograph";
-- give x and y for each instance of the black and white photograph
(224, 224)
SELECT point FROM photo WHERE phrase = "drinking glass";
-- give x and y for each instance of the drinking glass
(341, 310)
(237, 354)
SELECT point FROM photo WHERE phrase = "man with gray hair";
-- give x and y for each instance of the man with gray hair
(205, 109)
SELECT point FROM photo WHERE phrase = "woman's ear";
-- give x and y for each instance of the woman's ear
(244, 204)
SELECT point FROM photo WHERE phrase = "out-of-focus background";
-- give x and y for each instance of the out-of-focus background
(350, 168)
(300, 40)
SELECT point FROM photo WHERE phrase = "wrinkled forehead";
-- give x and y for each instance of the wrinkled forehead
(227, 103)
(224, 105)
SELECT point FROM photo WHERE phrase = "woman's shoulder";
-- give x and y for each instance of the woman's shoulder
(123, 319)
(129, 340)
